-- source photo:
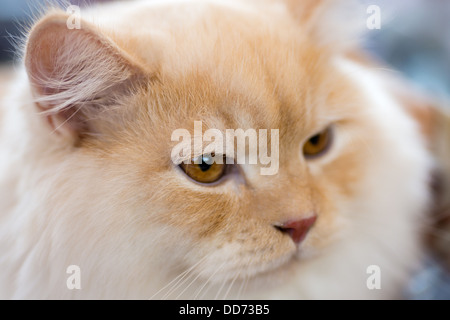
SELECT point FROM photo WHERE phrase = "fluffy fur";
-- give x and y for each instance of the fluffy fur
(87, 180)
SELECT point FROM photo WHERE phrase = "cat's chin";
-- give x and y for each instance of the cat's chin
(260, 280)
(270, 274)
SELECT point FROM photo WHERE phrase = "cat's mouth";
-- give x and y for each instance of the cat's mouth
(257, 269)
(250, 280)
(271, 260)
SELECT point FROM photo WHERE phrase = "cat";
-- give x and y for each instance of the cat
(87, 178)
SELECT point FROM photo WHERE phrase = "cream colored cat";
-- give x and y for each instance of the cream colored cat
(87, 178)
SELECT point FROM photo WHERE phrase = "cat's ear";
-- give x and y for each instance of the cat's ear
(76, 74)
(306, 11)
(337, 24)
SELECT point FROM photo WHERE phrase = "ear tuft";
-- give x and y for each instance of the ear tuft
(76, 72)
(306, 10)
(336, 24)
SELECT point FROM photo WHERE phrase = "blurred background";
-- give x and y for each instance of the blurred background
(414, 39)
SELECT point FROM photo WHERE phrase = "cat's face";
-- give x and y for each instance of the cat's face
(234, 69)
(245, 80)
(232, 223)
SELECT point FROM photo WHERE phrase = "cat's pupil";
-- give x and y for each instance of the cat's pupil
(204, 166)
(315, 140)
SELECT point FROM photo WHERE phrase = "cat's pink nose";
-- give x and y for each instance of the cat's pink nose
(297, 229)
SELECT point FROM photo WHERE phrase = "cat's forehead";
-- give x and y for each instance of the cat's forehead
(244, 92)
(230, 66)
(237, 79)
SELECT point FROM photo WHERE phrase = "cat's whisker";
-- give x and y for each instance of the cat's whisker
(187, 287)
(231, 285)
(187, 275)
(208, 288)
(246, 277)
(208, 281)
(181, 275)
(179, 285)
(167, 285)
(220, 289)
(243, 287)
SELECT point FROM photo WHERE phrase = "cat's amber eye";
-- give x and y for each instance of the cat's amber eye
(318, 144)
(205, 171)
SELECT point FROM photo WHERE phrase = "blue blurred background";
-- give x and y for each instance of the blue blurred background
(414, 39)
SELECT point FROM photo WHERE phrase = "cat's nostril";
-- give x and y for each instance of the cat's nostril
(297, 229)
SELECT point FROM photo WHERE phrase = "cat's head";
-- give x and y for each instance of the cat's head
(115, 90)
